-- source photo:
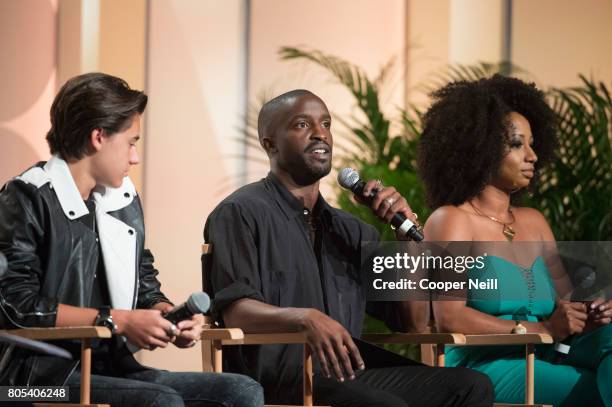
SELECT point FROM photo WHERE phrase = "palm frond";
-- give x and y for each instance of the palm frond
(575, 192)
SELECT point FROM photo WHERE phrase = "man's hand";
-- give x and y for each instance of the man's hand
(569, 318)
(164, 307)
(332, 344)
(144, 327)
(189, 332)
(387, 203)
(329, 341)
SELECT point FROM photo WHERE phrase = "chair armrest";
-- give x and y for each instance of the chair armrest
(235, 336)
(271, 338)
(508, 339)
(72, 332)
(434, 338)
(215, 334)
(274, 338)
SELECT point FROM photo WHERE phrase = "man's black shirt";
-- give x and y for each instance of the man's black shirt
(264, 249)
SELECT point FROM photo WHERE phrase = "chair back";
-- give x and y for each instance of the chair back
(206, 259)
(427, 349)
(207, 351)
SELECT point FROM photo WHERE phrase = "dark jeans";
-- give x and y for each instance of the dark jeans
(393, 381)
(159, 388)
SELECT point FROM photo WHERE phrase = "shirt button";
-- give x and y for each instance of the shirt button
(127, 195)
(131, 232)
(71, 213)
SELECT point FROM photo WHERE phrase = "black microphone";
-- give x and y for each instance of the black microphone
(349, 178)
(197, 303)
(587, 276)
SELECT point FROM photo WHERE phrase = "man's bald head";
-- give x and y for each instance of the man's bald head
(295, 131)
(275, 109)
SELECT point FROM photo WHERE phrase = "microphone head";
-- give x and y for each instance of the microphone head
(3, 264)
(585, 274)
(348, 177)
(198, 303)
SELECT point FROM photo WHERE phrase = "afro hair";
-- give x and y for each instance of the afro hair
(465, 135)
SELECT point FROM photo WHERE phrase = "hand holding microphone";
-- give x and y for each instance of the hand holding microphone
(385, 202)
(197, 303)
(567, 320)
(182, 319)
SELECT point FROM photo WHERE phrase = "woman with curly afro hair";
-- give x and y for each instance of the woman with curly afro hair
(482, 145)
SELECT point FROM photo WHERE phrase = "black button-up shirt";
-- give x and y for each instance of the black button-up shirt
(263, 249)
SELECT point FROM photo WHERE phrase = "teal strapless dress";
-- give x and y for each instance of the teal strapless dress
(527, 294)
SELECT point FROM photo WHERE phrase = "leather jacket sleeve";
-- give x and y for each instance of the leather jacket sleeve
(149, 287)
(22, 220)
(149, 292)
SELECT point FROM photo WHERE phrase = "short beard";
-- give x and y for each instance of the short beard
(311, 174)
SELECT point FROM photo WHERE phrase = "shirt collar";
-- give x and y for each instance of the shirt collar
(108, 199)
(289, 204)
(65, 188)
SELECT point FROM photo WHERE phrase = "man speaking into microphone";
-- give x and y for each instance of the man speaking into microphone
(285, 260)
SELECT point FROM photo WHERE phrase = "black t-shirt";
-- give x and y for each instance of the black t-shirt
(109, 356)
(100, 295)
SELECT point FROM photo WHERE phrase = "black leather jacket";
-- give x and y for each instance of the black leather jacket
(52, 258)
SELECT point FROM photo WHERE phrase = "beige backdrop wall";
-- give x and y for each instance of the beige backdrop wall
(195, 82)
(27, 80)
(557, 39)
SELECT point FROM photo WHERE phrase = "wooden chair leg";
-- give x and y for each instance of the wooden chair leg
(307, 376)
(440, 350)
(427, 354)
(207, 365)
(529, 373)
(85, 371)
(217, 351)
(85, 381)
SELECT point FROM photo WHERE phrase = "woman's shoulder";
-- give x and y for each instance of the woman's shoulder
(448, 223)
(449, 212)
(525, 213)
(533, 222)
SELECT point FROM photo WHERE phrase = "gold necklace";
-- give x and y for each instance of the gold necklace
(508, 231)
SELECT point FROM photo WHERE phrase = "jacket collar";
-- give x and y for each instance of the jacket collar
(108, 199)
(288, 203)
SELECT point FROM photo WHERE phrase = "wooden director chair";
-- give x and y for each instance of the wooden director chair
(433, 350)
(214, 339)
(85, 334)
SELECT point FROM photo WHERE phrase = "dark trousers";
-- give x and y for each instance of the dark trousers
(392, 381)
(159, 388)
